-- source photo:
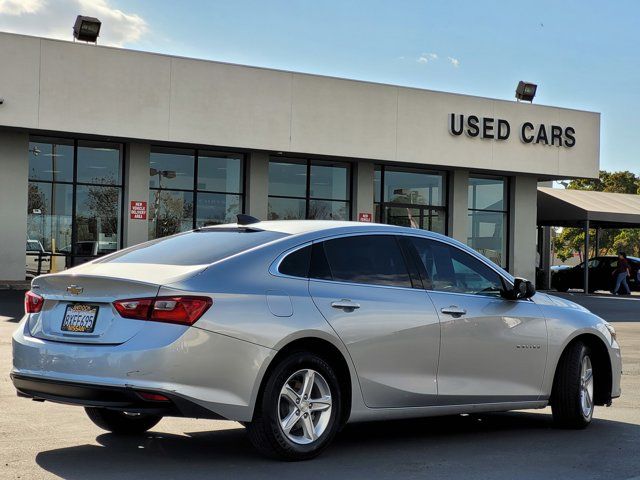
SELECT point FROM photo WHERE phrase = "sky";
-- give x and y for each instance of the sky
(582, 54)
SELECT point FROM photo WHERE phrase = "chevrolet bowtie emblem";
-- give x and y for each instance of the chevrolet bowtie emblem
(74, 289)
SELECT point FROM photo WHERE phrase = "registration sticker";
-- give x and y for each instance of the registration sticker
(79, 318)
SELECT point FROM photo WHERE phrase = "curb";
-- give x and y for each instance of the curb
(15, 285)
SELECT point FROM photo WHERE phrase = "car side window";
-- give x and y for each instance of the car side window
(449, 269)
(368, 259)
(296, 264)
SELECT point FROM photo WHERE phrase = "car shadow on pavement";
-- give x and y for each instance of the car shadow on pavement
(508, 445)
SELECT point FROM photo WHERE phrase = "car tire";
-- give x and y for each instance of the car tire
(284, 424)
(122, 423)
(562, 288)
(572, 397)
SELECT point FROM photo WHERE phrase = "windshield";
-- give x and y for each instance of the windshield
(200, 247)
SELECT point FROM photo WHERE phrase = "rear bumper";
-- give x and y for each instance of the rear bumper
(205, 375)
(115, 398)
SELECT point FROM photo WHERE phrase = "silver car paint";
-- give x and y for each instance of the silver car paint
(222, 360)
(396, 355)
(497, 351)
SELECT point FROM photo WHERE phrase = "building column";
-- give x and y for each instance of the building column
(136, 189)
(14, 159)
(522, 226)
(458, 205)
(363, 190)
(257, 194)
(545, 257)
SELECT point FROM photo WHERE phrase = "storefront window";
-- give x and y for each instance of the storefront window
(410, 198)
(74, 202)
(300, 189)
(193, 188)
(488, 214)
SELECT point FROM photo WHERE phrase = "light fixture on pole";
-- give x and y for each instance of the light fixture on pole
(526, 91)
(86, 29)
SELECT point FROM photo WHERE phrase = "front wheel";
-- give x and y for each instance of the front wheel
(300, 410)
(572, 399)
(122, 423)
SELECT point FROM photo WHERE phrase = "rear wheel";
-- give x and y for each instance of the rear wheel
(122, 423)
(572, 399)
(300, 409)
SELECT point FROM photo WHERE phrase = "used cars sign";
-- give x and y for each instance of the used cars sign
(500, 129)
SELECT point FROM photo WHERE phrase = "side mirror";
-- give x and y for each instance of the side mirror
(522, 289)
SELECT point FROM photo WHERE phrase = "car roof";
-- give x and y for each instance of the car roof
(295, 227)
(629, 257)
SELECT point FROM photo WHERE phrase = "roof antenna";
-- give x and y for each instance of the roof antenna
(246, 219)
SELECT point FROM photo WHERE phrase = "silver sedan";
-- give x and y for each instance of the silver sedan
(296, 327)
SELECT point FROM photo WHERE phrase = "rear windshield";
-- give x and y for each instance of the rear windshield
(199, 247)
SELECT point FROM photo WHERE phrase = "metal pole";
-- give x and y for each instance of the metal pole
(597, 241)
(586, 257)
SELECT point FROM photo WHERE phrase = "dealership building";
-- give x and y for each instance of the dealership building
(103, 148)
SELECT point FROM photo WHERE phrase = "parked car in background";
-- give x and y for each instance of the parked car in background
(38, 261)
(556, 268)
(600, 274)
(295, 328)
(87, 250)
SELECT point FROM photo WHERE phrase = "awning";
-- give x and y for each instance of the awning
(573, 208)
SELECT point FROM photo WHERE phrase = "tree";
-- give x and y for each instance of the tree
(571, 240)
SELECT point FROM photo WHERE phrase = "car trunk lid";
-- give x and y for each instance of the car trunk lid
(91, 290)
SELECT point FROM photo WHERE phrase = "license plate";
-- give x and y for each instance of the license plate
(79, 318)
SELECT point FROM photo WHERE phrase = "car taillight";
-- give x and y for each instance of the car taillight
(183, 310)
(137, 308)
(32, 302)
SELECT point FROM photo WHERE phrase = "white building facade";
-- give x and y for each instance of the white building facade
(103, 148)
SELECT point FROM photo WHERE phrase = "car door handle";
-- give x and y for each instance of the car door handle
(454, 311)
(345, 304)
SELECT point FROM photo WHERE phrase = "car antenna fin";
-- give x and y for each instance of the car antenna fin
(246, 219)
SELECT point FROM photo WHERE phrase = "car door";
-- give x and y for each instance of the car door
(492, 349)
(361, 285)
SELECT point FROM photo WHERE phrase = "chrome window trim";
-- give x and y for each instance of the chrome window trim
(275, 265)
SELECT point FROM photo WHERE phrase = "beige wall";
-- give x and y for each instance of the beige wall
(73, 87)
(136, 184)
(257, 195)
(13, 204)
(522, 227)
(363, 190)
(458, 205)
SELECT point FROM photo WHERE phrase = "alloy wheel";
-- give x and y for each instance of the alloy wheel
(586, 387)
(304, 407)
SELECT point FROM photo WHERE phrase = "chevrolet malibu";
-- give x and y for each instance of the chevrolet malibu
(294, 328)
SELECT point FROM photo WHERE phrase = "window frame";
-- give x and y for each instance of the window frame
(206, 153)
(427, 210)
(308, 163)
(506, 212)
(75, 141)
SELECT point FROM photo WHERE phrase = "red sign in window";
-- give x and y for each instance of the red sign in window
(364, 217)
(138, 210)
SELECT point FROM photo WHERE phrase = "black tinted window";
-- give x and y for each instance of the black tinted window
(319, 265)
(200, 247)
(296, 263)
(449, 269)
(371, 259)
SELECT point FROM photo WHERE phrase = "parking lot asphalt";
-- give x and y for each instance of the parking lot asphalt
(45, 440)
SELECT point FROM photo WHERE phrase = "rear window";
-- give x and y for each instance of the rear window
(200, 247)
